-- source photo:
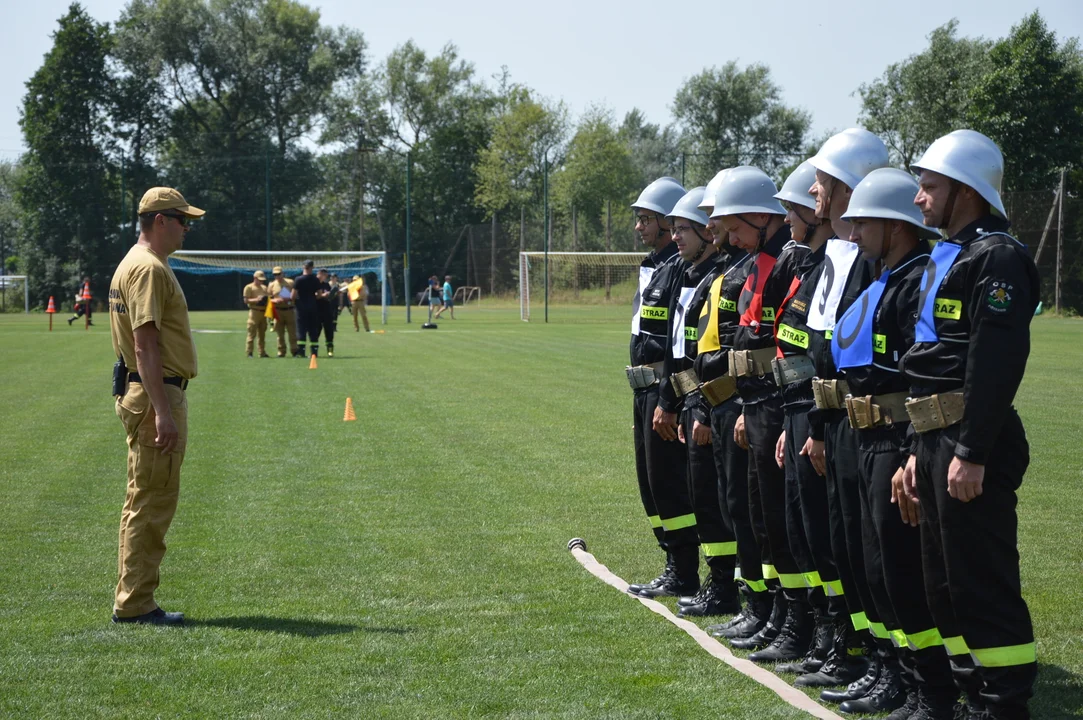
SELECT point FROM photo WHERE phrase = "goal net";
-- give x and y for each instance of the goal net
(372, 266)
(18, 287)
(582, 286)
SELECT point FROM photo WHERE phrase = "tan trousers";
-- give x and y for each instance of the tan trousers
(358, 306)
(151, 501)
(287, 323)
(257, 332)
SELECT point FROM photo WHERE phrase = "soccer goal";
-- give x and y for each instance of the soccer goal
(372, 266)
(465, 294)
(14, 283)
(582, 286)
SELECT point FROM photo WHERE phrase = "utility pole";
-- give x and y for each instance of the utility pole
(267, 188)
(1060, 238)
(545, 193)
(406, 258)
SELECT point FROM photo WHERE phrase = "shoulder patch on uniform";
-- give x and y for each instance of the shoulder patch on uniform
(999, 298)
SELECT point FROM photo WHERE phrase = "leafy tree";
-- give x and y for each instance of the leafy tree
(597, 168)
(654, 150)
(730, 116)
(925, 96)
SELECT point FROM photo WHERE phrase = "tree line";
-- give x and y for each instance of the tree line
(294, 138)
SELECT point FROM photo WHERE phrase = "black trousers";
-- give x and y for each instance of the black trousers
(893, 562)
(308, 324)
(328, 322)
(807, 517)
(763, 426)
(662, 470)
(971, 565)
(731, 465)
(843, 481)
(715, 533)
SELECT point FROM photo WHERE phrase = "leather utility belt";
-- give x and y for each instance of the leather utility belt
(684, 382)
(792, 369)
(751, 363)
(280, 308)
(935, 412)
(643, 376)
(715, 391)
(178, 381)
(873, 411)
(830, 394)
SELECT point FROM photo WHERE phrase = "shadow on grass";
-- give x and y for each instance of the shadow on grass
(1058, 694)
(289, 626)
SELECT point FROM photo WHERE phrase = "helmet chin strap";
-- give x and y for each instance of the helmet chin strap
(703, 243)
(810, 229)
(949, 206)
(762, 231)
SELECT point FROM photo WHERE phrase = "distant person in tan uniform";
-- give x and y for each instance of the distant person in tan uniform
(255, 297)
(156, 359)
(281, 294)
(359, 295)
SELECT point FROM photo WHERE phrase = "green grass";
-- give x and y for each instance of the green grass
(411, 564)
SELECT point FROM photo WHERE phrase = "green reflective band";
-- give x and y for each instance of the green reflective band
(956, 645)
(769, 572)
(877, 630)
(793, 336)
(1005, 656)
(654, 313)
(828, 334)
(655, 521)
(728, 305)
(792, 581)
(898, 637)
(812, 579)
(833, 588)
(755, 585)
(680, 523)
(879, 343)
(924, 639)
(859, 621)
(768, 315)
(947, 309)
(691, 333)
(719, 549)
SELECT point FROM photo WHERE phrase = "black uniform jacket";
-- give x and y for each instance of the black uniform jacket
(791, 331)
(993, 290)
(780, 258)
(649, 346)
(713, 365)
(700, 276)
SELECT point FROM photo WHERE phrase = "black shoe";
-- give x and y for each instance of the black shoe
(250, 355)
(774, 610)
(857, 689)
(793, 639)
(71, 320)
(888, 694)
(263, 355)
(674, 586)
(817, 653)
(718, 600)
(908, 708)
(667, 571)
(835, 672)
(157, 616)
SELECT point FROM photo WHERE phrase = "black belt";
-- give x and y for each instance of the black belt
(178, 381)
(284, 308)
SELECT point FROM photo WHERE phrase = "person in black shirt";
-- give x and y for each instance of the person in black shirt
(969, 449)
(327, 309)
(305, 287)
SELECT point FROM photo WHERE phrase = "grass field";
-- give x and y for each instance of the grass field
(411, 564)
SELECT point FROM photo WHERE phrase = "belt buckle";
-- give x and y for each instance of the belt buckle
(776, 370)
(852, 413)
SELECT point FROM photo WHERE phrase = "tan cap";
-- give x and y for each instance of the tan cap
(356, 277)
(162, 198)
(276, 270)
(259, 275)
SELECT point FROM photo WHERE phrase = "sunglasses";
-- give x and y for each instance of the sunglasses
(182, 219)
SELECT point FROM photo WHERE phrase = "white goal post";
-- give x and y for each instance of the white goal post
(578, 281)
(13, 282)
(369, 265)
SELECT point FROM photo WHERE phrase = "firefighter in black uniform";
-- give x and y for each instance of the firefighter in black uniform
(970, 451)
(869, 340)
(327, 309)
(661, 465)
(305, 288)
(754, 220)
(679, 396)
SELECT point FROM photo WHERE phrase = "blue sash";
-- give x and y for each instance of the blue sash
(943, 257)
(852, 342)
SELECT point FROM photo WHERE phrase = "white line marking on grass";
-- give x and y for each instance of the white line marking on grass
(218, 332)
(764, 677)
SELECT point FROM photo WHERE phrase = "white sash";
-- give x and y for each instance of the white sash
(840, 258)
(645, 274)
(677, 322)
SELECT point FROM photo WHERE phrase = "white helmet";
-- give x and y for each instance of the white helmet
(888, 194)
(746, 189)
(851, 155)
(971, 158)
(796, 188)
(709, 192)
(660, 196)
(688, 207)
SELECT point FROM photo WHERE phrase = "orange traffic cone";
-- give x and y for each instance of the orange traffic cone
(52, 311)
(312, 363)
(349, 411)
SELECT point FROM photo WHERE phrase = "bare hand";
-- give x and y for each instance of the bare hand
(908, 509)
(780, 450)
(739, 435)
(814, 450)
(910, 480)
(701, 433)
(665, 424)
(965, 479)
(680, 433)
(167, 434)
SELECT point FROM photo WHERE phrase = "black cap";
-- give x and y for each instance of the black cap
(309, 264)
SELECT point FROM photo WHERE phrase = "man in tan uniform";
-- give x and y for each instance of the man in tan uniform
(156, 358)
(359, 295)
(255, 296)
(281, 293)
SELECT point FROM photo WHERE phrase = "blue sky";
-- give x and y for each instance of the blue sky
(621, 54)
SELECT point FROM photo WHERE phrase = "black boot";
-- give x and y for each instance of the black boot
(794, 637)
(667, 571)
(769, 630)
(936, 704)
(858, 688)
(845, 663)
(300, 351)
(908, 708)
(740, 617)
(817, 653)
(719, 597)
(888, 694)
(685, 577)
